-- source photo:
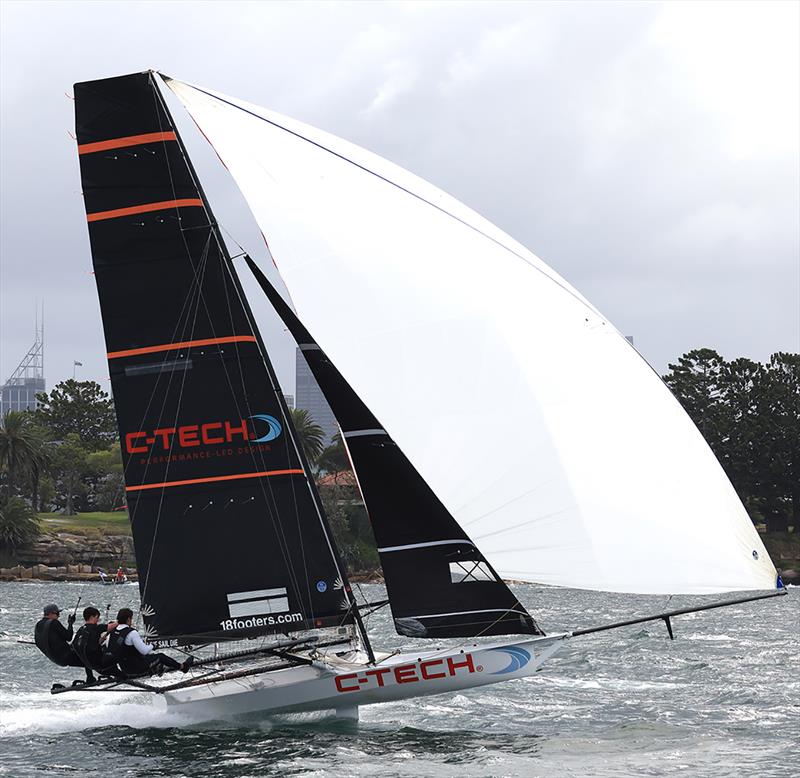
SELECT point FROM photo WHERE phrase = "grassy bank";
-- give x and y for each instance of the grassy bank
(90, 524)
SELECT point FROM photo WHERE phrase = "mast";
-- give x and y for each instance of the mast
(275, 384)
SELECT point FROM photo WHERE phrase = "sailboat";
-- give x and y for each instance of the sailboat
(498, 426)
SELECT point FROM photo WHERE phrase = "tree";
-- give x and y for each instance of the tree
(696, 380)
(749, 414)
(333, 458)
(81, 408)
(105, 477)
(779, 442)
(19, 524)
(70, 465)
(347, 517)
(23, 453)
(309, 432)
(738, 449)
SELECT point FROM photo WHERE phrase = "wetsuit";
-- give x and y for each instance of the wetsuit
(86, 645)
(52, 639)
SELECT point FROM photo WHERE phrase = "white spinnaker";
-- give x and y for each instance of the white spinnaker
(550, 440)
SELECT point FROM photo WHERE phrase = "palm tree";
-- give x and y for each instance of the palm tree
(309, 432)
(18, 523)
(23, 455)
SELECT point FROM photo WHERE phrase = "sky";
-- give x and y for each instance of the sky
(648, 152)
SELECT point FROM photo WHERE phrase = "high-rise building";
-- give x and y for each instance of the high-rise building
(309, 397)
(19, 392)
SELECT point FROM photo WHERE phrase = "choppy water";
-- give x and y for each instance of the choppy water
(722, 700)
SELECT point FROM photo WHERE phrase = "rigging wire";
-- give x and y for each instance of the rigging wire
(229, 269)
(159, 103)
(295, 133)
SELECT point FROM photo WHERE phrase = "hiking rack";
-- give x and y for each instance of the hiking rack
(281, 650)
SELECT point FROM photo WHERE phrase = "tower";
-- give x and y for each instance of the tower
(19, 392)
(309, 397)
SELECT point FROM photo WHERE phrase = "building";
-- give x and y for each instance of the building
(19, 392)
(309, 397)
(289, 400)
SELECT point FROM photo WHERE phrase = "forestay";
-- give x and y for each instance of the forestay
(228, 536)
(540, 429)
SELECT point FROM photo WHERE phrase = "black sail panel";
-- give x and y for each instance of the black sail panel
(438, 582)
(228, 535)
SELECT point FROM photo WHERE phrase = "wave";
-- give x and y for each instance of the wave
(27, 714)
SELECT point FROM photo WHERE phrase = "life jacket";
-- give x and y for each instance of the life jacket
(42, 638)
(86, 642)
(116, 649)
(126, 658)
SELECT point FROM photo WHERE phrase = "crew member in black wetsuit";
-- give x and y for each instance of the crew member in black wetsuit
(87, 641)
(52, 639)
(134, 656)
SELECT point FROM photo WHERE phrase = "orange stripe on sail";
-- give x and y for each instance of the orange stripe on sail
(132, 352)
(166, 484)
(121, 143)
(162, 206)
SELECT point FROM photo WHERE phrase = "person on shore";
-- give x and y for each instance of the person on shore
(87, 643)
(135, 657)
(52, 639)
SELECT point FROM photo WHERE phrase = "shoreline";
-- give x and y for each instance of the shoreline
(70, 556)
(43, 573)
(68, 573)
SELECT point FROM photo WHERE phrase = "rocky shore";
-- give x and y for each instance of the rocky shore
(64, 556)
(45, 573)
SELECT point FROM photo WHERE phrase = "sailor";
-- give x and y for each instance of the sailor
(87, 643)
(52, 639)
(133, 655)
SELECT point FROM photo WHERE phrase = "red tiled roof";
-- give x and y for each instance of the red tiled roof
(340, 478)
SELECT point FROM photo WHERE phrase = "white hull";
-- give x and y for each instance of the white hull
(344, 683)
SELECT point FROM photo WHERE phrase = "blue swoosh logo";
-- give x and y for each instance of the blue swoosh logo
(274, 430)
(519, 658)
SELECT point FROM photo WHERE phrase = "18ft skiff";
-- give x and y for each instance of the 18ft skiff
(415, 315)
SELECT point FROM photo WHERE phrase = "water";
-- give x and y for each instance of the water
(722, 700)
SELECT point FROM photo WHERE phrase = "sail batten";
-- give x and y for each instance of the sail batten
(530, 417)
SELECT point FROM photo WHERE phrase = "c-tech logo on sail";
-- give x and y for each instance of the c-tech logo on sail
(207, 434)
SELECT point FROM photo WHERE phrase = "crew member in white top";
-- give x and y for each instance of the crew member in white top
(134, 656)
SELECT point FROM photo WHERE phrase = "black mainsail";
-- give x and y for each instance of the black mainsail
(439, 584)
(229, 534)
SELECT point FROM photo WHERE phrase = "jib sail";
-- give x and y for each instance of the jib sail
(230, 540)
(439, 584)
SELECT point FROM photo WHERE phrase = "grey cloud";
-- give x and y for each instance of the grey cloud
(586, 131)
